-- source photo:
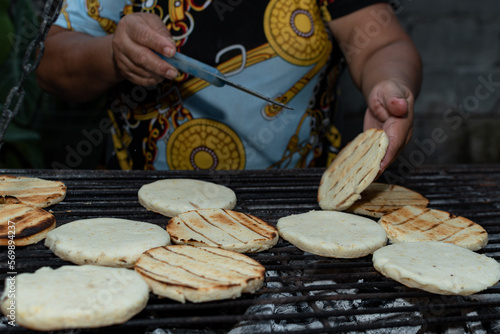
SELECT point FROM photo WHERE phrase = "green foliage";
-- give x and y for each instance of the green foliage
(22, 144)
(22, 149)
(25, 30)
(45, 127)
(7, 28)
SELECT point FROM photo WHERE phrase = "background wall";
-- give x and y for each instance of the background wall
(457, 115)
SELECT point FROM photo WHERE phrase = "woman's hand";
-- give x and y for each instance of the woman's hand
(387, 69)
(390, 107)
(136, 38)
(79, 67)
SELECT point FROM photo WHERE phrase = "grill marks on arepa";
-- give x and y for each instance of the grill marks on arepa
(379, 199)
(29, 190)
(200, 270)
(412, 223)
(31, 224)
(198, 274)
(222, 228)
(352, 171)
(28, 220)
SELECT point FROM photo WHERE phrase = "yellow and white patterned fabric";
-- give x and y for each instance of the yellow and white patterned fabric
(279, 48)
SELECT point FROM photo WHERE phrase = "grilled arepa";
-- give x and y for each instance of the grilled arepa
(24, 224)
(199, 274)
(221, 228)
(411, 223)
(30, 190)
(353, 170)
(379, 199)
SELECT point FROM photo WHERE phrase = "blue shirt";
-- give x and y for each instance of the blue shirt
(279, 48)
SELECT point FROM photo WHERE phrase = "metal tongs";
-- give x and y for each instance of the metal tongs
(211, 74)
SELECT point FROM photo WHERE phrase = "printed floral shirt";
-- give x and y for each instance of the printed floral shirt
(279, 48)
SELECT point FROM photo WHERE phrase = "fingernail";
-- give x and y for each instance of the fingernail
(168, 51)
(171, 74)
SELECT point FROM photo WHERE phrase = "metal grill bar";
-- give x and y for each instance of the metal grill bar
(303, 293)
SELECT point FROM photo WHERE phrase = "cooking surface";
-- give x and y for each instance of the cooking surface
(302, 293)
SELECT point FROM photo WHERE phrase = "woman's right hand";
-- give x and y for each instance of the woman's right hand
(137, 35)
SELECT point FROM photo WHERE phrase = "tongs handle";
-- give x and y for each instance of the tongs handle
(195, 68)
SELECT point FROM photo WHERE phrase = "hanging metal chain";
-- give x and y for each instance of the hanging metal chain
(15, 98)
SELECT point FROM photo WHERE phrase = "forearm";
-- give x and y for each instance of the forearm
(76, 66)
(386, 67)
(377, 56)
(398, 61)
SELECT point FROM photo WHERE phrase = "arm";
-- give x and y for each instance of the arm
(80, 67)
(386, 67)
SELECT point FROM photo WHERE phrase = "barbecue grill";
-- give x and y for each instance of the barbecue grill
(303, 293)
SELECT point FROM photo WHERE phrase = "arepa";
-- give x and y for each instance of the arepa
(332, 234)
(112, 242)
(411, 223)
(437, 267)
(30, 190)
(199, 274)
(75, 297)
(352, 171)
(171, 197)
(379, 199)
(222, 228)
(22, 224)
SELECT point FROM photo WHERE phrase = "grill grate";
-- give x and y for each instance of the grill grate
(303, 293)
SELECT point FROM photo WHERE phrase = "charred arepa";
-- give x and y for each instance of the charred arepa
(22, 224)
(353, 170)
